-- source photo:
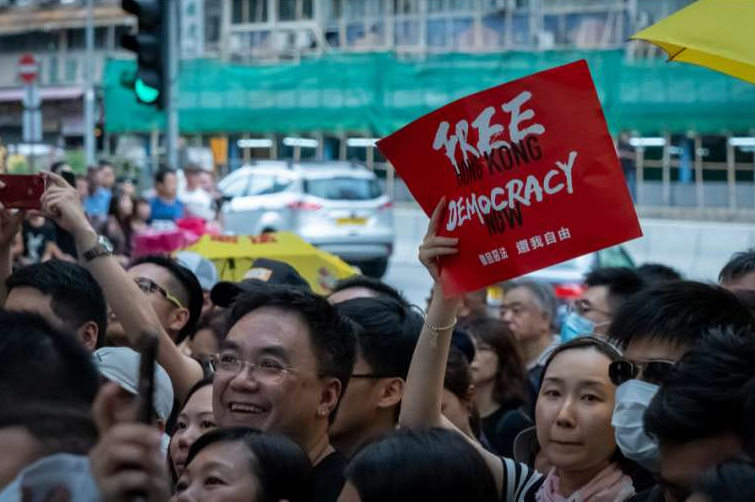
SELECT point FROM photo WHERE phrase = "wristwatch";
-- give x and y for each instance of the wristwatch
(103, 248)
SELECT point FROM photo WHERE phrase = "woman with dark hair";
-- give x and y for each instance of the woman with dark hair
(500, 381)
(194, 419)
(432, 465)
(239, 464)
(141, 216)
(572, 412)
(117, 227)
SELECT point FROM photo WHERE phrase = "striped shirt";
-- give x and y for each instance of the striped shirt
(520, 483)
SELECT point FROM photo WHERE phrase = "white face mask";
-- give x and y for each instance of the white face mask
(632, 399)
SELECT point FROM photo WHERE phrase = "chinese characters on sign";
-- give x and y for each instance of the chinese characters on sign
(524, 246)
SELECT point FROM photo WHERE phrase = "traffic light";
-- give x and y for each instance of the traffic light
(147, 43)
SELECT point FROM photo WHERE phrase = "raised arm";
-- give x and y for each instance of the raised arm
(421, 404)
(61, 203)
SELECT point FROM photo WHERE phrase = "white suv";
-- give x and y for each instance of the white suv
(336, 206)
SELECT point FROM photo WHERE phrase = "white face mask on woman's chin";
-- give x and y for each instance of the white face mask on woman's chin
(632, 399)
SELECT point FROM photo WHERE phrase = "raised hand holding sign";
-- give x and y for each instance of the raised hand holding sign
(529, 173)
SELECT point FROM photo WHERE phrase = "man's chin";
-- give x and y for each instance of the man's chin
(115, 335)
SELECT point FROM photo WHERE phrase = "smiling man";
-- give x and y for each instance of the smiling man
(283, 368)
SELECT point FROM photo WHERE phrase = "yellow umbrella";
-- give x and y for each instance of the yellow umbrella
(233, 256)
(713, 33)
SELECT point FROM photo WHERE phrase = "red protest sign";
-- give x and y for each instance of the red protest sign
(529, 172)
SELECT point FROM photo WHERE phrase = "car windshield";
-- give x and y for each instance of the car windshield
(343, 188)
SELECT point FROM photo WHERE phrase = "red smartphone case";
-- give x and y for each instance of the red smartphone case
(22, 191)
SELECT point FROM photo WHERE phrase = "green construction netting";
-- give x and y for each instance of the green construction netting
(377, 93)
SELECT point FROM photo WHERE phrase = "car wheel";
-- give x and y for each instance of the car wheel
(374, 268)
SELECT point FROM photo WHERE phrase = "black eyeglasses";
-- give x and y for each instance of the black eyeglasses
(652, 371)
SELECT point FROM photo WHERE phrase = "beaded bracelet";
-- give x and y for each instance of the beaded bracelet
(436, 330)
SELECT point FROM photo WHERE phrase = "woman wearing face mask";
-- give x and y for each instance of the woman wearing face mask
(195, 419)
(244, 465)
(500, 382)
(573, 408)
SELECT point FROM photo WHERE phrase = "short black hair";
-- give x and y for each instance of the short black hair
(389, 333)
(622, 282)
(283, 470)
(43, 366)
(678, 313)
(189, 290)
(376, 285)
(333, 337)
(435, 464)
(707, 393)
(730, 481)
(739, 265)
(656, 273)
(75, 296)
(162, 173)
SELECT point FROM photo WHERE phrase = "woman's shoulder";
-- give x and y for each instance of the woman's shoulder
(520, 482)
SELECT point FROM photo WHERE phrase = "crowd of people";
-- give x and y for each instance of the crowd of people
(266, 391)
(118, 210)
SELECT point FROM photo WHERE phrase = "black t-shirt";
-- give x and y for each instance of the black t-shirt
(65, 241)
(36, 239)
(503, 426)
(328, 476)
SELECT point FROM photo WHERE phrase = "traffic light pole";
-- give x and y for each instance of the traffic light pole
(89, 146)
(171, 97)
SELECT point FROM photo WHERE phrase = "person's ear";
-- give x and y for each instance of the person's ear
(392, 391)
(331, 393)
(88, 333)
(178, 319)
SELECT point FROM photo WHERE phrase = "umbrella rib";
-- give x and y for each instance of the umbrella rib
(677, 53)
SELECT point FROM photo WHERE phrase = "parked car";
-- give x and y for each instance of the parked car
(336, 206)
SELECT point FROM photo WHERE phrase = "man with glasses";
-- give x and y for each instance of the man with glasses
(283, 368)
(174, 293)
(135, 311)
(655, 328)
(607, 289)
(370, 405)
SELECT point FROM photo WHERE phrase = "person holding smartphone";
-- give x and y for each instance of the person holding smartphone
(127, 301)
